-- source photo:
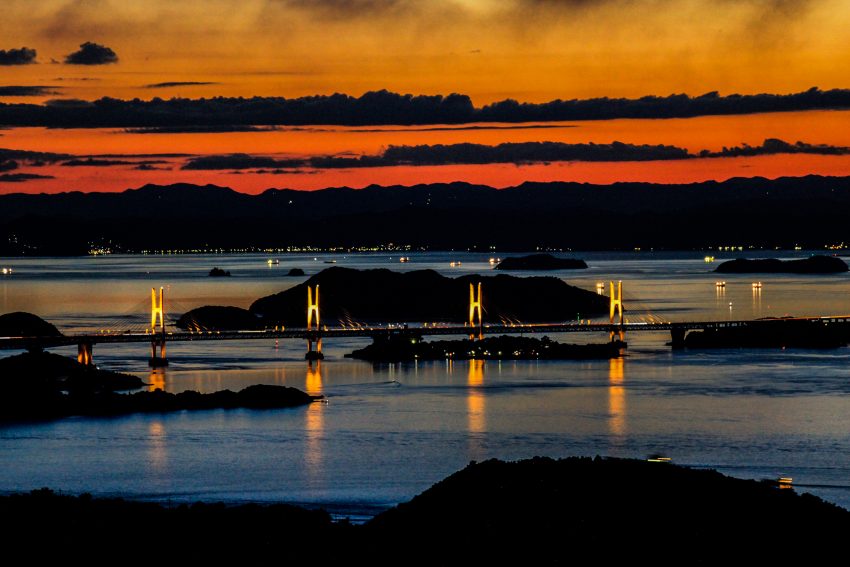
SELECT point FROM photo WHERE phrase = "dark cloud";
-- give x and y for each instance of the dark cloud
(772, 146)
(200, 129)
(148, 167)
(170, 84)
(527, 152)
(21, 177)
(32, 157)
(478, 154)
(518, 153)
(8, 165)
(28, 90)
(91, 54)
(347, 9)
(68, 103)
(240, 161)
(91, 162)
(97, 162)
(22, 56)
(386, 108)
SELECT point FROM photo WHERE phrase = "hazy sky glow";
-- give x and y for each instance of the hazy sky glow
(530, 50)
(490, 49)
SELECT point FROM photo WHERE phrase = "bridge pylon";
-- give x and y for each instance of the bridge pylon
(475, 310)
(616, 309)
(313, 310)
(158, 329)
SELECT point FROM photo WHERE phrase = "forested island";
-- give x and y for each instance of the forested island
(349, 295)
(407, 347)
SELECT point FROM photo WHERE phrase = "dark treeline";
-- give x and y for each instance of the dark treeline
(806, 211)
(384, 107)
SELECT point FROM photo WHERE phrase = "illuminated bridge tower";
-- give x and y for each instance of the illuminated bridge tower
(475, 310)
(313, 335)
(616, 308)
(158, 330)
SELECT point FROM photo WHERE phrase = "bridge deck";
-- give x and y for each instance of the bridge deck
(18, 343)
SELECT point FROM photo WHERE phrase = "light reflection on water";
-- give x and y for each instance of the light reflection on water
(616, 398)
(391, 430)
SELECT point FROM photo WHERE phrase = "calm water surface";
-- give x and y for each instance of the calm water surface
(390, 431)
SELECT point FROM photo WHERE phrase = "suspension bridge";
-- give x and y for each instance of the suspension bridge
(158, 334)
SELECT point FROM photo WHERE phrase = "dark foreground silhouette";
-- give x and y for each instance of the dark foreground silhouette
(537, 511)
(397, 348)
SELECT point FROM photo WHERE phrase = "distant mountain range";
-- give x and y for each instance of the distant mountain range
(808, 211)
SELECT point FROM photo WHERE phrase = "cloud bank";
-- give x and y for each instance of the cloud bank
(386, 108)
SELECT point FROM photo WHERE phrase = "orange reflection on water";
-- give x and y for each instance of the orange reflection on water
(314, 424)
(158, 455)
(157, 379)
(616, 397)
(475, 404)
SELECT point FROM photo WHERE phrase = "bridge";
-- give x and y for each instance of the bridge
(157, 335)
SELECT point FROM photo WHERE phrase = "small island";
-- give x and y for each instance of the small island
(22, 324)
(812, 265)
(295, 273)
(540, 262)
(407, 347)
(41, 386)
(219, 273)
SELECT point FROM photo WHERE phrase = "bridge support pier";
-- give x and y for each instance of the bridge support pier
(314, 354)
(84, 354)
(158, 361)
(619, 335)
(677, 335)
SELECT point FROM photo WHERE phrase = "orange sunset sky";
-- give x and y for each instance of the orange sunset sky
(530, 50)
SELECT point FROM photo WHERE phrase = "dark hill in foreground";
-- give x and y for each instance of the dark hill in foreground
(559, 510)
(425, 295)
(532, 512)
(812, 265)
